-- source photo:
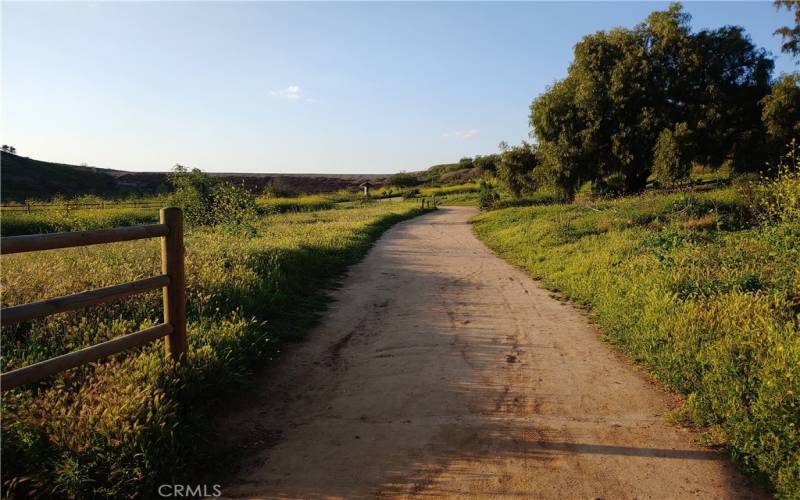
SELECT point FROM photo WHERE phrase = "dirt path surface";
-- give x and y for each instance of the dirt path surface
(442, 371)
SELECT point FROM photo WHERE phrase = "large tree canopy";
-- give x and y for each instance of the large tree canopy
(626, 86)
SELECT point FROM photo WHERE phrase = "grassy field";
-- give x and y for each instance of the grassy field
(695, 287)
(59, 218)
(298, 204)
(49, 221)
(127, 424)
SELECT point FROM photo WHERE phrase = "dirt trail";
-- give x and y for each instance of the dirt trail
(442, 371)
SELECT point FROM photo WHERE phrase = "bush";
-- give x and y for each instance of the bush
(208, 201)
(402, 180)
(487, 196)
(516, 169)
(672, 161)
(778, 199)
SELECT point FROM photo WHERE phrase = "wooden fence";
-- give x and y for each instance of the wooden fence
(172, 281)
(69, 206)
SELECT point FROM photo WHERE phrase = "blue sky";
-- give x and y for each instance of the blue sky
(298, 87)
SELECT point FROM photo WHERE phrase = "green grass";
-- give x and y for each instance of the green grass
(472, 187)
(49, 221)
(692, 288)
(58, 218)
(121, 427)
(296, 204)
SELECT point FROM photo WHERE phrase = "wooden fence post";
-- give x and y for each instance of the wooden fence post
(175, 293)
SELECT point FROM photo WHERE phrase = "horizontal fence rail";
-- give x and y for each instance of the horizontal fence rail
(27, 312)
(171, 281)
(44, 369)
(51, 241)
(34, 207)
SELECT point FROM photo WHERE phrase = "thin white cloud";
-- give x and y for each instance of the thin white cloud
(462, 134)
(292, 92)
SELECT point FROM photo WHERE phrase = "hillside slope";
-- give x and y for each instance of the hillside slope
(23, 178)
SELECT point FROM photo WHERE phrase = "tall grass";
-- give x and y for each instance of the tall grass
(297, 204)
(120, 427)
(55, 220)
(697, 288)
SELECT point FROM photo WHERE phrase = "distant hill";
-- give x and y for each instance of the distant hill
(22, 178)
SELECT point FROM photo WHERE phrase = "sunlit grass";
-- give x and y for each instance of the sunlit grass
(124, 425)
(692, 287)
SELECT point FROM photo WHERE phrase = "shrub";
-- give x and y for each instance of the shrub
(402, 180)
(778, 199)
(516, 169)
(487, 196)
(672, 161)
(207, 201)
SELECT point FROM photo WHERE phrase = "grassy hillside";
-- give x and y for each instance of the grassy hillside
(121, 427)
(22, 178)
(701, 288)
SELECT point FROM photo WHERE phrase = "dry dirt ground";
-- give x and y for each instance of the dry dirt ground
(442, 371)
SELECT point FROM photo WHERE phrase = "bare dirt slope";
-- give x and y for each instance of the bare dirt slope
(442, 371)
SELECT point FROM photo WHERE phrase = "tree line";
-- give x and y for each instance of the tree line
(654, 100)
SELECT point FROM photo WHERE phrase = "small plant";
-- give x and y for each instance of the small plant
(487, 196)
(672, 162)
(777, 199)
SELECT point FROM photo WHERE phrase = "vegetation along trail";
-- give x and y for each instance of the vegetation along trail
(443, 371)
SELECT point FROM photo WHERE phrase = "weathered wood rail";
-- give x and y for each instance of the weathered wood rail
(69, 206)
(171, 281)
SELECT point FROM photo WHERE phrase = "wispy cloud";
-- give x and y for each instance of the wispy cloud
(462, 134)
(292, 92)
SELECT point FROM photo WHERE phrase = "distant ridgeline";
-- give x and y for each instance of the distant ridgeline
(23, 178)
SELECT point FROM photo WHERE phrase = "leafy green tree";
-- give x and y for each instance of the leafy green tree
(516, 169)
(790, 34)
(465, 162)
(559, 125)
(602, 122)
(487, 164)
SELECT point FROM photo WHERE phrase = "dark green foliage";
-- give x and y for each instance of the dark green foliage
(672, 155)
(781, 112)
(486, 164)
(625, 86)
(487, 196)
(515, 171)
(26, 178)
(207, 200)
(790, 34)
(403, 180)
